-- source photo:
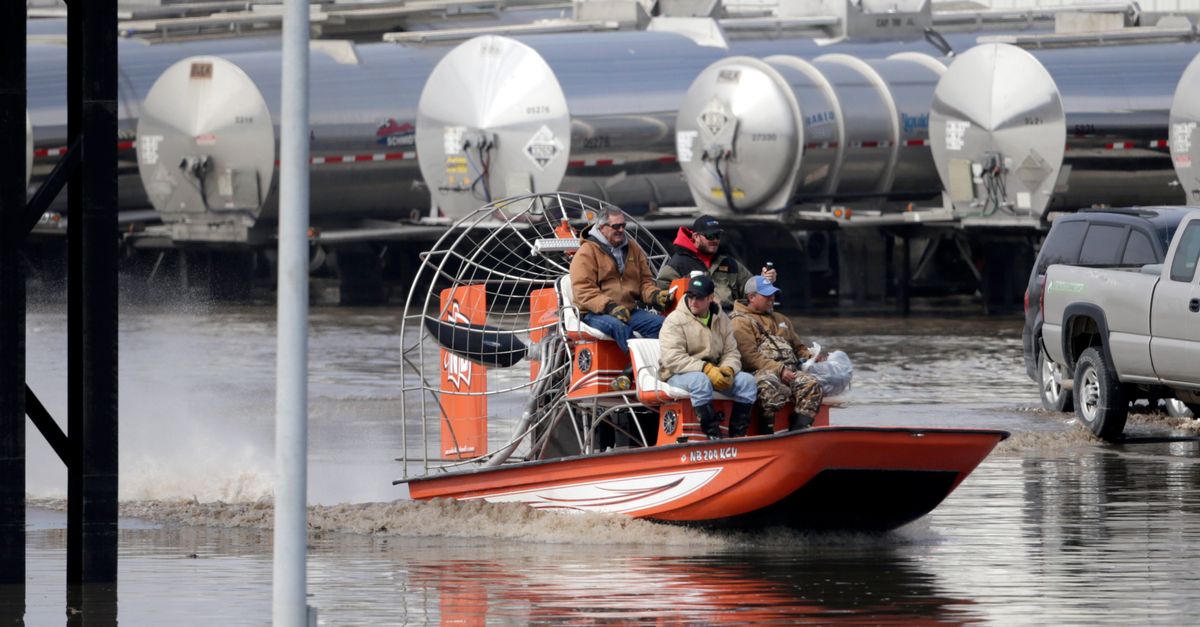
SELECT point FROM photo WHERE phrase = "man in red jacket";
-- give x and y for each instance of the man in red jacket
(699, 249)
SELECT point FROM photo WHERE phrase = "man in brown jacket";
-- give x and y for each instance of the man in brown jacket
(609, 276)
(699, 354)
(772, 350)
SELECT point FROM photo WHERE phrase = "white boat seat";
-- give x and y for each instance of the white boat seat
(645, 354)
(570, 314)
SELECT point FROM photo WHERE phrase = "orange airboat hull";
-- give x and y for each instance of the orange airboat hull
(851, 478)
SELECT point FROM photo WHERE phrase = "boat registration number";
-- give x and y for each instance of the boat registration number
(712, 454)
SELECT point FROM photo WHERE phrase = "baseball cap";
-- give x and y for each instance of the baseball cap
(706, 224)
(760, 285)
(700, 286)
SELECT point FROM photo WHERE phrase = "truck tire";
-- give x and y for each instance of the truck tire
(1180, 409)
(1100, 400)
(1050, 376)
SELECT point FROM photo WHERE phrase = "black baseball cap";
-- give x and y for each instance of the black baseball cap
(700, 286)
(706, 224)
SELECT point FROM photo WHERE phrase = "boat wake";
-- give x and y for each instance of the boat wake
(444, 518)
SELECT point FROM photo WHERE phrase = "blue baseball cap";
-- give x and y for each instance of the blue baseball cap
(760, 285)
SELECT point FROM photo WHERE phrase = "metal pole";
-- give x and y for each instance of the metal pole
(291, 382)
(98, 274)
(12, 311)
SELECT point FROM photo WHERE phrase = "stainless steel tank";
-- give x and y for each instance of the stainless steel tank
(1185, 116)
(139, 64)
(1017, 134)
(763, 135)
(591, 113)
(208, 138)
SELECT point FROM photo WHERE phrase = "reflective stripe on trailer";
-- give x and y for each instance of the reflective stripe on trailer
(378, 156)
(1114, 146)
(62, 150)
(605, 163)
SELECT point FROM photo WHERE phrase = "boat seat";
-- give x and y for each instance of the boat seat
(645, 354)
(571, 318)
(570, 313)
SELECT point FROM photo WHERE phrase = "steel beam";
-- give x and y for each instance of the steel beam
(92, 298)
(12, 309)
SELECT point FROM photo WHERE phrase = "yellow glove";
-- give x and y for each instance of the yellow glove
(714, 374)
(620, 312)
(661, 298)
(726, 379)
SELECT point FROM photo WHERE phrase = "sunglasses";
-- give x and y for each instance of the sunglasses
(620, 226)
(711, 236)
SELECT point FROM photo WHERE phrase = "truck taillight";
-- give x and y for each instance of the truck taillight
(1042, 296)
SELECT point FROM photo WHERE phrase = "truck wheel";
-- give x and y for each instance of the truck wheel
(1100, 401)
(1050, 375)
(1180, 409)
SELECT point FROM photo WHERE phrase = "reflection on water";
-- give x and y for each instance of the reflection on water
(1107, 536)
(1054, 528)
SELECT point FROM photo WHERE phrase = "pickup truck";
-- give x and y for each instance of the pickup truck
(1126, 332)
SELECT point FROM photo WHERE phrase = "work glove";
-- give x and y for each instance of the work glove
(620, 312)
(726, 378)
(714, 374)
(660, 299)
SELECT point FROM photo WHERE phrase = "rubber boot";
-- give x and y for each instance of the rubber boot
(798, 421)
(739, 419)
(709, 423)
(623, 381)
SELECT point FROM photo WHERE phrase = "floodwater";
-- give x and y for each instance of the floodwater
(1055, 527)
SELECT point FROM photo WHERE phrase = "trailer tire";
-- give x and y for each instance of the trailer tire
(1100, 400)
(1050, 376)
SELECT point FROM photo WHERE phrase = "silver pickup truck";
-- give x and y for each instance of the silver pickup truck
(1127, 332)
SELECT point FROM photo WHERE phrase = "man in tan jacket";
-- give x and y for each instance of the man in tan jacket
(772, 350)
(609, 276)
(699, 354)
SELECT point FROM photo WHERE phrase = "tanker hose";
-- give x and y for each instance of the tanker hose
(726, 188)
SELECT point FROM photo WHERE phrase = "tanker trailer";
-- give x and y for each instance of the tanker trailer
(208, 140)
(139, 64)
(766, 135)
(592, 114)
(1185, 115)
(1017, 134)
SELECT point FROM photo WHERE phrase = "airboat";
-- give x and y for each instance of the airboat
(509, 397)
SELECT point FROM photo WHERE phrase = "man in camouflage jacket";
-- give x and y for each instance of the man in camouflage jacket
(772, 350)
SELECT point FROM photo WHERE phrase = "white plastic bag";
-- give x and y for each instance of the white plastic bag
(834, 374)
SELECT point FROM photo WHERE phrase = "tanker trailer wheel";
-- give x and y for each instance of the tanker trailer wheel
(1179, 409)
(1050, 375)
(1100, 400)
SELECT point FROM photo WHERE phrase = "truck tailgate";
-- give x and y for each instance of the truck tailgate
(1117, 298)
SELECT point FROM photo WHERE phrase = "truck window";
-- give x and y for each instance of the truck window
(1061, 245)
(1138, 250)
(1183, 268)
(1102, 246)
